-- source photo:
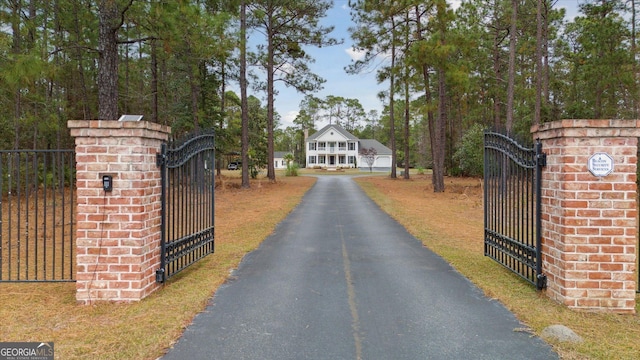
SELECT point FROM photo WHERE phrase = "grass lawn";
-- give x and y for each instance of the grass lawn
(449, 223)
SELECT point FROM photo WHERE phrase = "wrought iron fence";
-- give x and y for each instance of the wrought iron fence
(37, 215)
(188, 181)
(512, 234)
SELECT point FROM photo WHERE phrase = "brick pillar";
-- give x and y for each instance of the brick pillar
(118, 232)
(589, 222)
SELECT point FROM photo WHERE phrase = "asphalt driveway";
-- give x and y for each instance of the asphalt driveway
(340, 279)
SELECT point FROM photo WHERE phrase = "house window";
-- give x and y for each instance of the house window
(322, 159)
(342, 146)
(312, 146)
(352, 146)
(341, 159)
(322, 145)
(352, 159)
(312, 159)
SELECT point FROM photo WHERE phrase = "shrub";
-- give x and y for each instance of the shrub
(470, 152)
(292, 170)
(253, 171)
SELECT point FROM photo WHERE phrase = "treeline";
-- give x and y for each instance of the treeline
(171, 61)
(495, 63)
(503, 64)
(84, 59)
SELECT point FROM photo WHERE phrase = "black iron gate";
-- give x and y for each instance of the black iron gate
(188, 181)
(37, 215)
(512, 232)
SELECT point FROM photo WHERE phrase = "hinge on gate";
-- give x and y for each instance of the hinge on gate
(159, 159)
(160, 276)
(542, 159)
(541, 281)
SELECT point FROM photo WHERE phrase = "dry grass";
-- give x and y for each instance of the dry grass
(451, 224)
(48, 312)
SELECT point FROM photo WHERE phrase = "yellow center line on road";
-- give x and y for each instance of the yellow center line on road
(351, 294)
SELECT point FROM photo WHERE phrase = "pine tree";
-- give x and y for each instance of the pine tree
(287, 26)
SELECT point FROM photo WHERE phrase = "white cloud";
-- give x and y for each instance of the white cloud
(287, 119)
(355, 55)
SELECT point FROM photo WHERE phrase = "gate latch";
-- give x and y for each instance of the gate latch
(541, 159)
(159, 159)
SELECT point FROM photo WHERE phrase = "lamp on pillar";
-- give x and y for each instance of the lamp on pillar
(130, 118)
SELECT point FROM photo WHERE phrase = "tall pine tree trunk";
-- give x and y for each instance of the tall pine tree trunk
(440, 130)
(108, 60)
(223, 110)
(512, 64)
(194, 88)
(427, 89)
(546, 98)
(16, 49)
(271, 171)
(497, 69)
(154, 82)
(243, 96)
(392, 120)
(539, 69)
(407, 101)
(636, 101)
(437, 178)
(439, 137)
(80, 91)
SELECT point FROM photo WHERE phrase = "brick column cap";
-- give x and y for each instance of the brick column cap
(585, 128)
(96, 128)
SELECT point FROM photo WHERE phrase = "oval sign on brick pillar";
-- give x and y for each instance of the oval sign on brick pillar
(600, 164)
(589, 227)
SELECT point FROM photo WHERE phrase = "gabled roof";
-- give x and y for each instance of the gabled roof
(363, 143)
(280, 154)
(336, 128)
(371, 143)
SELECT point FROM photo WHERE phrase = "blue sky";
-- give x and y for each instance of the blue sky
(331, 61)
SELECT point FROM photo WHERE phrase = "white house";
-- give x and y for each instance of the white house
(333, 147)
(278, 159)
